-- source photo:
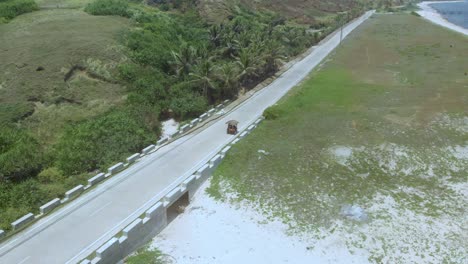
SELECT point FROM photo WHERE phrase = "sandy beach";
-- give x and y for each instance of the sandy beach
(431, 14)
(214, 232)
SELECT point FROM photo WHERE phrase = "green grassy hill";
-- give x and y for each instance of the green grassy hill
(58, 67)
(40, 50)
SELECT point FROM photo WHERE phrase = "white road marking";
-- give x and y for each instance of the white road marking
(100, 209)
(24, 260)
(368, 58)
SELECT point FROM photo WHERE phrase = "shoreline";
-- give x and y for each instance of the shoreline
(433, 16)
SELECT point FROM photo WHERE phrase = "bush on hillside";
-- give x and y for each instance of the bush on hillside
(14, 112)
(20, 155)
(12, 8)
(272, 113)
(147, 111)
(51, 175)
(185, 103)
(128, 72)
(101, 141)
(109, 8)
(152, 44)
(18, 199)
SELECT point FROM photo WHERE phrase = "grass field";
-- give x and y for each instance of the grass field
(373, 146)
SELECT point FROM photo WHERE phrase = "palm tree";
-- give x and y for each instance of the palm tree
(228, 75)
(246, 62)
(245, 39)
(273, 56)
(203, 53)
(184, 60)
(231, 46)
(292, 37)
(203, 75)
(216, 35)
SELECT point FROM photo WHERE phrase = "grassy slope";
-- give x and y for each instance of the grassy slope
(57, 40)
(385, 112)
(42, 101)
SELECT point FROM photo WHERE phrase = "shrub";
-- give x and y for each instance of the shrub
(13, 8)
(185, 103)
(54, 190)
(14, 112)
(50, 175)
(10, 214)
(20, 154)
(26, 194)
(146, 255)
(272, 113)
(18, 199)
(165, 7)
(190, 105)
(101, 141)
(109, 8)
(147, 112)
(152, 45)
(128, 72)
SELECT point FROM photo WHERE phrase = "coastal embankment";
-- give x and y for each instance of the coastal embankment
(432, 15)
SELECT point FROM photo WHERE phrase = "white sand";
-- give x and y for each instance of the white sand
(214, 232)
(431, 14)
(169, 127)
(211, 232)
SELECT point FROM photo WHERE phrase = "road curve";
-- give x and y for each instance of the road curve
(74, 231)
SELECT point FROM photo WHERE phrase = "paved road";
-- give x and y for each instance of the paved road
(82, 226)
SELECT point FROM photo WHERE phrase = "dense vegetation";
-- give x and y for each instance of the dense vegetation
(109, 8)
(9, 9)
(96, 143)
(20, 154)
(178, 65)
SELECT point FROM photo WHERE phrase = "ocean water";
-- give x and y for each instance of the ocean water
(455, 12)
